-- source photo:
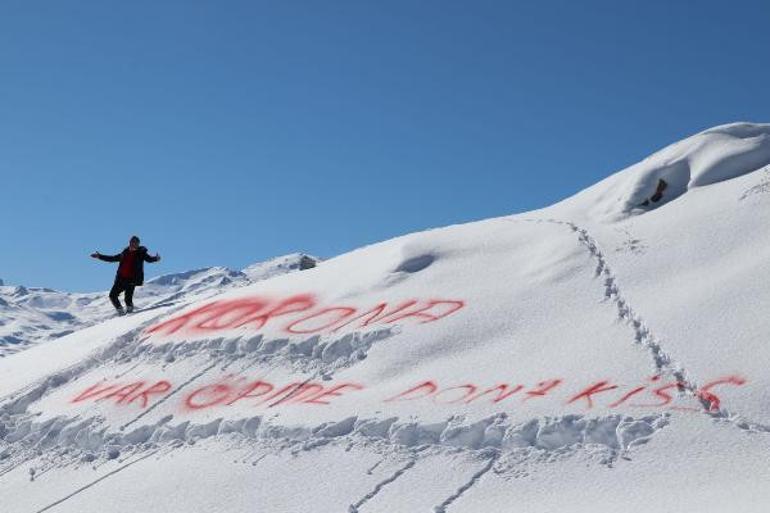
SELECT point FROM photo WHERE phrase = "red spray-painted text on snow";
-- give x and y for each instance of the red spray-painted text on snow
(302, 314)
(242, 391)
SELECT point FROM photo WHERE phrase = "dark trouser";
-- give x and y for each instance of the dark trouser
(122, 285)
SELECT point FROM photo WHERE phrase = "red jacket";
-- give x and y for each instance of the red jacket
(135, 260)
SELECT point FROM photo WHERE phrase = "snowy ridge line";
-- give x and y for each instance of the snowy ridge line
(354, 508)
(441, 508)
(67, 439)
(643, 334)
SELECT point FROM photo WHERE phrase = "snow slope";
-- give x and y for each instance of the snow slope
(29, 316)
(596, 355)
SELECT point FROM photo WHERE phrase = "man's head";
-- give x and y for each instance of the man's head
(133, 243)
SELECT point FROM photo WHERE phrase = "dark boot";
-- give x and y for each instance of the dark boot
(114, 293)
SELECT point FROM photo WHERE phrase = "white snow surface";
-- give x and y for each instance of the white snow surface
(595, 355)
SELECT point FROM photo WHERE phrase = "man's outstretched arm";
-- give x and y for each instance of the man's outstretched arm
(106, 258)
(151, 259)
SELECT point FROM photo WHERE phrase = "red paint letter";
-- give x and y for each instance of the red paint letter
(427, 388)
(229, 314)
(542, 389)
(294, 304)
(427, 317)
(661, 392)
(246, 393)
(297, 392)
(91, 392)
(173, 325)
(596, 388)
(125, 392)
(217, 393)
(376, 314)
(626, 397)
(629, 395)
(161, 387)
(335, 391)
(345, 311)
(470, 390)
(502, 393)
(713, 401)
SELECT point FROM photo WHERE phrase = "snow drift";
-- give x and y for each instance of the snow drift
(582, 357)
(712, 156)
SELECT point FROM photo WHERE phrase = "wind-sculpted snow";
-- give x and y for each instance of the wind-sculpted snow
(712, 156)
(73, 439)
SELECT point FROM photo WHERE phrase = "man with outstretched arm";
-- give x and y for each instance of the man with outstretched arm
(130, 272)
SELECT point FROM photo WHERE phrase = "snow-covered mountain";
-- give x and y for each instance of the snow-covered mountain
(29, 316)
(607, 353)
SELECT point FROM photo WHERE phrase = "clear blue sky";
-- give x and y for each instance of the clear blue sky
(224, 133)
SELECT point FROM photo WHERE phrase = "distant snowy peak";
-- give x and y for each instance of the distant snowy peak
(213, 280)
(223, 276)
(195, 280)
(194, 276)
(714, 155)
(280, 265)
